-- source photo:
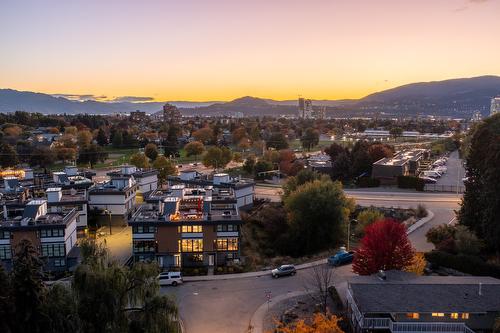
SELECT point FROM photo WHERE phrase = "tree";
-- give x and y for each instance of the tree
(139, 160)
(302, 177)
(480, 208)
(318, 212)
(42, 156)
(65, 154)
(385, 246)
(171, 145)
(262, 166)
(217, 157)
(418, 264)
(117, 140)
(321, 323)
(204, 135)
(341, 167)
(277, 140)
(151, 151)
(92, 154)
(8, 156)
(377, 151)
(335, 150)
(310, 138)
(396, 132)
(165, 168)
(194, 148)
(320, 281)
(249, 164)
(84, 138)
(28, 288)
(365, 218)
(102, 138)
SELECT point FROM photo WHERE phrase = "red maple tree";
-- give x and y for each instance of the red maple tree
(385, 246)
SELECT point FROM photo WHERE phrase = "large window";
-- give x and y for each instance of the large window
(192, 245)
(143, 229)
(227, 227)
(51, 233)
(227, 244)
(4, 234)
(5, 252)
(438, 314)
(53, 250)
(144, 246)
(190, 228)
(59, 262)
(413, 315)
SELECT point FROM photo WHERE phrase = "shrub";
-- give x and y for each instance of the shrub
(367, 182)
(438, 234)
(420, 211)
(464, 263)
(365, 218)
(466, 241)
(411, 182)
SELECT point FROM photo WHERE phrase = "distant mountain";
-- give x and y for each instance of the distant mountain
(456, 98)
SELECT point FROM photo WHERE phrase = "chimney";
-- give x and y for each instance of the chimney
(54, 194)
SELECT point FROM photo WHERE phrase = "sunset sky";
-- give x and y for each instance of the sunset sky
(223, 49)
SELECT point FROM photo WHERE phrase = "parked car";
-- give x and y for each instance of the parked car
(342, 257)
(428, 180)
(283, 270)
(170, 278)
(440, 169)
(432, 173)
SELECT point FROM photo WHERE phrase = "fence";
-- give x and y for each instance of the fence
(444, 188)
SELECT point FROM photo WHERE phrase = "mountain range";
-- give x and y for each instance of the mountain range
(455, 97)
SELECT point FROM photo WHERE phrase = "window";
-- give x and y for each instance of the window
(144, 246)
(5, 252)
(454, 315)
(53, 250)
(438, 314)
(465, 316)
(59, 262)
(190, 228)
(144, 229)
(227, 227)
(51, 233)
(4, 234)
(192, 245)
(227, 244)
(413, 315)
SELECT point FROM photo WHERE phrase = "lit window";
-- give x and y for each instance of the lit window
(438, 314)
(454, 315)
(465, 316)
(413, 315)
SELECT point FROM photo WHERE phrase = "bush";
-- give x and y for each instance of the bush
(437, 235)
(365, 218)
(420, 211)
(411, 182)
(473, 265)
(466, 242)
(367, 182)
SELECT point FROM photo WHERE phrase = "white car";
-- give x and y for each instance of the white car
(428, 180)
(170, 278)
(441, 169)
(431, 173)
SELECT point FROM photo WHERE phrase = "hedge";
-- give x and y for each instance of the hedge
(463, 263)
(367, 182)
(411, 182)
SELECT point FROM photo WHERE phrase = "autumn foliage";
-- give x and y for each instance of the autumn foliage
(320, 324)
(385, 246)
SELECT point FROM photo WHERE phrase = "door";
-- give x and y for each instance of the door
(177, 260)
(211, 259)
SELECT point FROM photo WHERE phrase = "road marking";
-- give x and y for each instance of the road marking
(452, 220)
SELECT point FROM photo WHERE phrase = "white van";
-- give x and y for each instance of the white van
(170, 278)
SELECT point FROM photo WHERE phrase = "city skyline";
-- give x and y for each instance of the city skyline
(218, 51)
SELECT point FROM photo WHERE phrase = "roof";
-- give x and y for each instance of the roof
(406, 292)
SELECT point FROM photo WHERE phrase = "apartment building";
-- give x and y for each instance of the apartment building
(63, 201)
(243, 189)
(115, 197)
(404, 302)
(147, 180)
(188, 227)
(52, 233)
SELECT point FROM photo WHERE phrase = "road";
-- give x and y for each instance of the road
(228, 305)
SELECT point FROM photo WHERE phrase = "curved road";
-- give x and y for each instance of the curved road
(228, 305)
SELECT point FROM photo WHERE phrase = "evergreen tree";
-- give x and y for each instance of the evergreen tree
(8, 156)
(102, 139)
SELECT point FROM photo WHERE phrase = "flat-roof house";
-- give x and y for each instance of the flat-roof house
(116, 197)
(404, 302)
(52, 233)
(404, 163)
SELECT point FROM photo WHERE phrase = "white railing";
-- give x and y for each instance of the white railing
(376, 323)
(357, 314)
(400, 327)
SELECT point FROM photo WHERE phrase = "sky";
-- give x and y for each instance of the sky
(218, 50)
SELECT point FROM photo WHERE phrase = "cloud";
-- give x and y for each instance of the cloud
(477, 1)
(81, 98)
(132, 99)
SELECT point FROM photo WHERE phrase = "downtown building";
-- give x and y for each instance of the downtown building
(53, 234)
(495, 106)
(187, 227)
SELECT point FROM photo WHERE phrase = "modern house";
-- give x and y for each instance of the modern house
(147, 180)
(406, 163)
(243, 189)
(188, 227)
(320, 163)
(116, 197)
(402, 302)
(63, 201)
(53, 235)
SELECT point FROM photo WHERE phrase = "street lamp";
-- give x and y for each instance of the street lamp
(349, 231)
(106, 211)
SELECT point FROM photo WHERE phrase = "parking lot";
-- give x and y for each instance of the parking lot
(452, 179)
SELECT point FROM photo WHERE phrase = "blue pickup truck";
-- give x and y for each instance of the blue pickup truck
(342, 257)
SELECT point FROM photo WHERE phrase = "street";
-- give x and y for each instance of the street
(228, 305)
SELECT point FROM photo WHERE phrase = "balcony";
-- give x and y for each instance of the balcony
(417, 327)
